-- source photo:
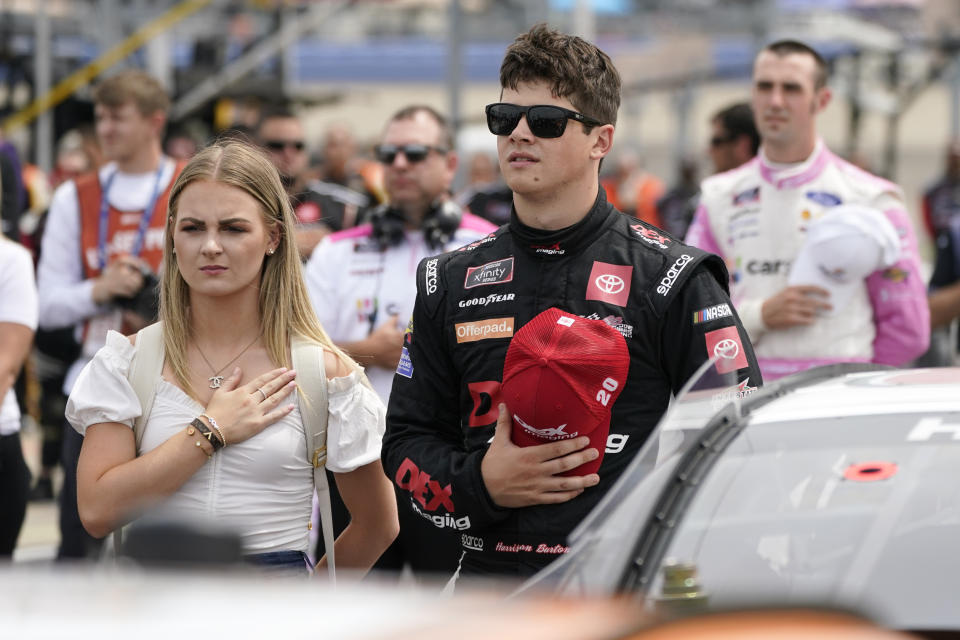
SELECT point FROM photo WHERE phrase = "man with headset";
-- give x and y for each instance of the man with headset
(362, 281)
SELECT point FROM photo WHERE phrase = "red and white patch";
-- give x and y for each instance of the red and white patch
(610, 283)
(725, 344)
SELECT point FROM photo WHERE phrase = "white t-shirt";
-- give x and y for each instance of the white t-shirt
(260, 488)
(18, 304)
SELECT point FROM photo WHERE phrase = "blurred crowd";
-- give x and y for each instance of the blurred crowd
(355, 202)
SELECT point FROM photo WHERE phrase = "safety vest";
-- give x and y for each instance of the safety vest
(122, 226)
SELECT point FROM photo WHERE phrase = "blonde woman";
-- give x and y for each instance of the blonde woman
(232, 297)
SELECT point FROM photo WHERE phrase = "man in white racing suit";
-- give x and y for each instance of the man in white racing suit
(362, 283)
(756, 217)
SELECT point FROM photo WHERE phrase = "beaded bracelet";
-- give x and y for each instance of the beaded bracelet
(216, 427)
(206, 433)
(192, 431)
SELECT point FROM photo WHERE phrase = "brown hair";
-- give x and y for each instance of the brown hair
(284, 305)
(410, 112)
(574, 69)
(133, 85)
(783, 48)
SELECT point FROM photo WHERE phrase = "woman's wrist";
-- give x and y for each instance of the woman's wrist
(216, 427)
(204, 429)
(201, 442)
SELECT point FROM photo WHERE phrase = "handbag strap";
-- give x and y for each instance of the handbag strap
(145, 370)
(311, 377)
(144, 373)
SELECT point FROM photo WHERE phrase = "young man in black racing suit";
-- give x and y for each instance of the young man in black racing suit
(448, 437)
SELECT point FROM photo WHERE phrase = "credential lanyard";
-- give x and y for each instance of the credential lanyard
(144, 219)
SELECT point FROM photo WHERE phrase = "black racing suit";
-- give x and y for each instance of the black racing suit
(443, 406)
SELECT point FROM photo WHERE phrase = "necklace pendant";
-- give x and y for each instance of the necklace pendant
(215, 381)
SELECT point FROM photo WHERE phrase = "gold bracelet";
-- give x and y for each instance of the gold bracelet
(191, 431)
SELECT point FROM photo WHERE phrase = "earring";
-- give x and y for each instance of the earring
(270, 252)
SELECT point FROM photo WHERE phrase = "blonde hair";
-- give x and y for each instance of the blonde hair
(283, 304)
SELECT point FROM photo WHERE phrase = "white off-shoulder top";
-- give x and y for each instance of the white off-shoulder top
(261, 488)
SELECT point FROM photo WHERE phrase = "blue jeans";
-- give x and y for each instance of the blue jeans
(281, 562)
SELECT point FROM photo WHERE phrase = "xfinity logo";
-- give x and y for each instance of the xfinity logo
(431, 277)
(490, 273)
(672, 274)
(482, 302)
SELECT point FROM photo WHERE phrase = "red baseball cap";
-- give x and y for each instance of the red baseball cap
(561, 377)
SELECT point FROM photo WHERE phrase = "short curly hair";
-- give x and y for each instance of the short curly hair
(574, 69)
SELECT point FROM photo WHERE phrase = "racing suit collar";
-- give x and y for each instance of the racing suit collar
(566, 241)
(790, 176)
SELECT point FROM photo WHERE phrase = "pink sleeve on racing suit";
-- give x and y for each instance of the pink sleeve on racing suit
(899, 299)
(699, 234)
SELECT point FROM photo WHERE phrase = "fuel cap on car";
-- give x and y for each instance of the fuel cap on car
(870, 471)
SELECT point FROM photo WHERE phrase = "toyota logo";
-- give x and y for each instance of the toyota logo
(609, 283)
(728, 349)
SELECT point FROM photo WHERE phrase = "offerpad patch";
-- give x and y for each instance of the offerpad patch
(725, 344)
(484, 329)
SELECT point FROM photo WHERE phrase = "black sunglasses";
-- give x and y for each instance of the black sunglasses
(280, 145)
(387, 153)
(544, 120)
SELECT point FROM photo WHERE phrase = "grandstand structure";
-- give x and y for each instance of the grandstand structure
(896, 77)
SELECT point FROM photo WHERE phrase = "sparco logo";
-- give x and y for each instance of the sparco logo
(672, 274)
(609, 283)
(482, 302)
(474, 543)
(431, 277)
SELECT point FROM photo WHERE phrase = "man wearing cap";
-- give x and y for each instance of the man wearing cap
(758, 218)
(555, 342)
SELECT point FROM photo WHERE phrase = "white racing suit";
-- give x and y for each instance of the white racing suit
(755, 217)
